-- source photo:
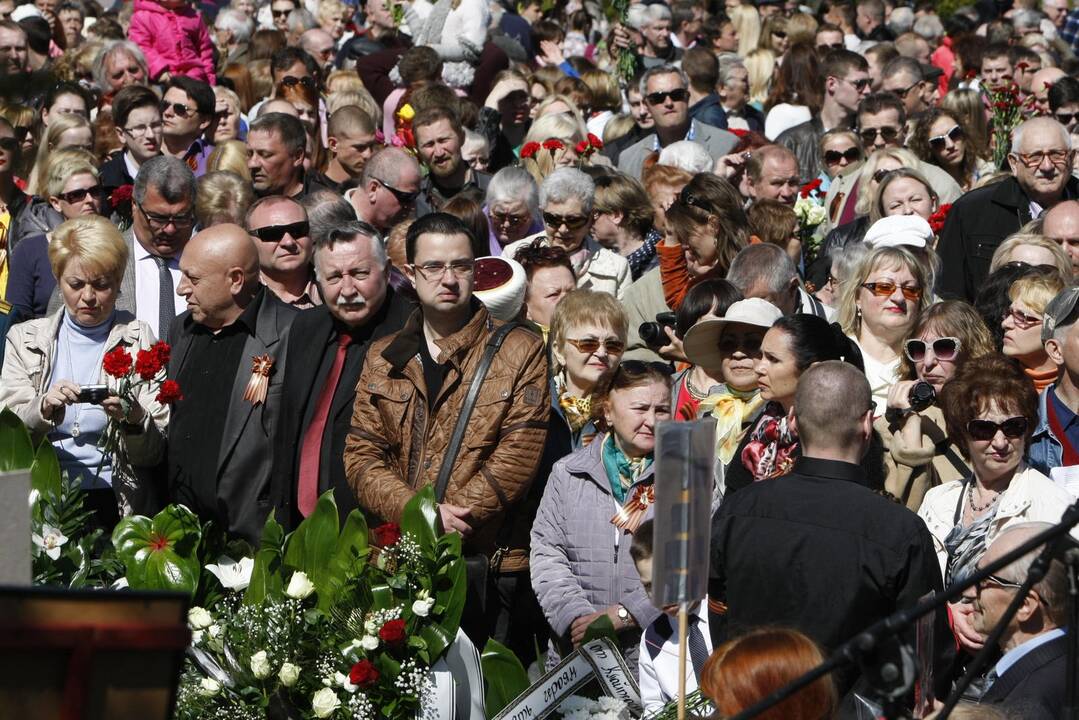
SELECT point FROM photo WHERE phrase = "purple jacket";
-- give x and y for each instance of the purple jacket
(580, 562)
(173, 41)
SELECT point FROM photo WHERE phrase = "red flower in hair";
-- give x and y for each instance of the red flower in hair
(118, 362)
(169, 392)
(595, 141)
(553, 144)
(530, 149)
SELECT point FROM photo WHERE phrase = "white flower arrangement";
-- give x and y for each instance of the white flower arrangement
(576, 707)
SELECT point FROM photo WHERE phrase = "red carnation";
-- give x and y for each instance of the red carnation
(553, 144)
(936, 220)
(530, 149)
(738, 132)
(147, 365)
(582, 147)
(387, 534)
(121, 195)
(118, 362)
(363, 674)
(595, 142)
(163, 352)
(392, 632)
(169, 392)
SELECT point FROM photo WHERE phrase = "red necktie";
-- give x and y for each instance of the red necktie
(311, 449)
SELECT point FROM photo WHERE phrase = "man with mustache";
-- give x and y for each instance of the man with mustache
(439, 137)
(324, 357)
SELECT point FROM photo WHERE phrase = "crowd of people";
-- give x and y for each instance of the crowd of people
(489, 247)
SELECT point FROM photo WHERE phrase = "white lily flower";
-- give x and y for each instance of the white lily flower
(234, 575)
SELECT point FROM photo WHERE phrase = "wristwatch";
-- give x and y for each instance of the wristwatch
(623, 614)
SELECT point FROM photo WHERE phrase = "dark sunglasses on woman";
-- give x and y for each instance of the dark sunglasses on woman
(831, 157)
(937, 142)
(985, 430)
(77, 196)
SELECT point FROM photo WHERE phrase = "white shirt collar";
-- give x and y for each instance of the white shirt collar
(132, 169)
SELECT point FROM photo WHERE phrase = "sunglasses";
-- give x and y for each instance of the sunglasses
(869, 135)
(1021, 319)
(573, 222)
(404, 198)
(885, 288)
(999, 581)
(307, 81)
(831, 46)
(985, 430)
(779, 34)
(658, 98)
(21, 132)
(1058, 158)
(591, 345)
(938, 142)
(280, 13)
(160, 222)
(177, 108)
(879, 175)
(903, 93)
(1040, 267)
(275, 233)
(9, 144)
(859, 85)
(1066, 118)
(831, 157)
(507, 219)
(76, 196)
(944, 348)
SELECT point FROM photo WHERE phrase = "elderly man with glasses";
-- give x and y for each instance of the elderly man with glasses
(1041, 162)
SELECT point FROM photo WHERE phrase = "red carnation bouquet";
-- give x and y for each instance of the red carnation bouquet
(1007, 113)
(146, 368)
(120, 201)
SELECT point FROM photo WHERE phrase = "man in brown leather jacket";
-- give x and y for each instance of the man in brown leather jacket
(409, 396)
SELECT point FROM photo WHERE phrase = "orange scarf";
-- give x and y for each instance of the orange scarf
(1042, 380)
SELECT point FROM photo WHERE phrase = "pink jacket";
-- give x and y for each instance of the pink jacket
(174, 41)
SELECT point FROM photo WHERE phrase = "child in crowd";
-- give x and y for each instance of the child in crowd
(174, 39)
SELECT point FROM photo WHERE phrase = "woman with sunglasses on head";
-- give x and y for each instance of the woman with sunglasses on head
(593, 502)
(1022, 325)
(919, 454)
(72, 191)
(941, 138)
(990, 411)
(1032, 249)
(878, 308)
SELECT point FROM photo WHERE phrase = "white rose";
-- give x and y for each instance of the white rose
(209, 687)
(325, 703)
(422, 608)
(369, 642)
(196, 637)
(260, 665)
(199, 618)
(289, 674)
(816, 215)
(299, 586)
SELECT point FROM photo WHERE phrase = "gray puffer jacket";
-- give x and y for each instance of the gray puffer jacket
(37, 218)
(580, 562)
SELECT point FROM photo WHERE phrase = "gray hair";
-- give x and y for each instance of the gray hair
(349, 232)
(929, 27)
(236, 22)
(901, 20)
(1026, 19)
(686, 155)
(326, 210)
(386, 165)
(762, 263)
(301, 20)
(511, 184)
(728, 63)
(1052, 588)
(566, 183)
(1017, 134)
(169, 176)
(662, 70)
(116, 47)
(642, 15)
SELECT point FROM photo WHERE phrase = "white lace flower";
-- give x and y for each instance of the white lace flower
(50, 540)
(299, 586)
(234, 575)
(289, 674)
(260, 665)
(325, 703)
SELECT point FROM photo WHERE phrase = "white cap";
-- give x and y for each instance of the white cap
(500, 284)
(25, 11)
(701, 343)
(909, 230)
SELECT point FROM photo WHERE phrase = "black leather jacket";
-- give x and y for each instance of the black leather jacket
(804, 141)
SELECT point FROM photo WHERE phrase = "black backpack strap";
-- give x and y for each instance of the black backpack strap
(489, 352)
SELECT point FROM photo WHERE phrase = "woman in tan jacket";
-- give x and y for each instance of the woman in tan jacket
(918, 453)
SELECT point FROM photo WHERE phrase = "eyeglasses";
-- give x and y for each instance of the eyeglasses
(276, 233)
(591, 345)
(750, 344)
(507, 219)
(1066, 118)
(860, 84)
(999, 581)
(177, 108)
(280, 13)
(885, 288)
(1041, 267)
(780, 34)
(21, 132)
(307, 81)
(944, 349)
(903, 93)
(572, 222)
(658, 98)
(77, 196)
(432, 271)
(160, 222)
(1020, 319)
(985, 430)
(141, 130)
(879, 175)
(937, 142)
(404, 198)
(831, 157)
(869, 135)
(1058, 158)
(9, 144)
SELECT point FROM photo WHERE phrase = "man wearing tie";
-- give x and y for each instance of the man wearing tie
(324, 357)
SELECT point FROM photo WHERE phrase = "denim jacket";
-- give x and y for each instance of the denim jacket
(1045, 451)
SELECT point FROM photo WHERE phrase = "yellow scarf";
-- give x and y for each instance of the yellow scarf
(578, 410)
(731, 410)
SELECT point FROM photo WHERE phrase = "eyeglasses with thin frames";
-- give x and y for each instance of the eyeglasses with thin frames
(1058, 158)
(143, 130)
(435, 271)
(590, 345)
(1020, 319)
(886, 288)
(160, 222)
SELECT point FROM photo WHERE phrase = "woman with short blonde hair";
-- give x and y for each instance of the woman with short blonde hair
(1023, 321)
(1033, 249)
(231, 156)
(68, 130)
(222, 197)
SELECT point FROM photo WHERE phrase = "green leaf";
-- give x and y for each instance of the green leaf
(16, 448)
(420, 519)
(504, 675)
(266, 579)
(450, 583)
(162, 553)
(349, 559)
(312, 544)
(437, 639)
(382, 598)
(601, 627)
(45, 471)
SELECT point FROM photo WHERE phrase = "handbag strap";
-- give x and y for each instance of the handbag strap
(493, 344)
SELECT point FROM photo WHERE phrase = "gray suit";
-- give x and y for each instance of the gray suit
(717, 142)
(126, 298)
(247, 444)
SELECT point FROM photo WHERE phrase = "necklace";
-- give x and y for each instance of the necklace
(974, 508)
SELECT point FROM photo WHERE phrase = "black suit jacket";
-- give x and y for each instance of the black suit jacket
(246, 456)
(1034, 686)
(977, 224)
(309, 354)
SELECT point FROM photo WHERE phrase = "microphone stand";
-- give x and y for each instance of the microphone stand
(861, 648)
